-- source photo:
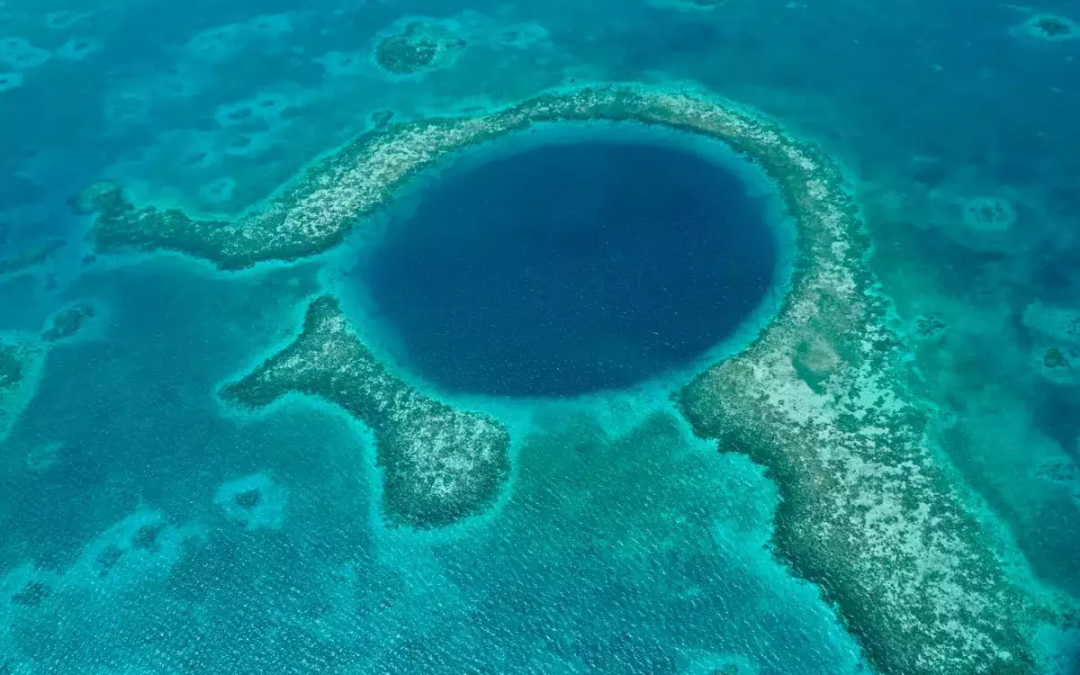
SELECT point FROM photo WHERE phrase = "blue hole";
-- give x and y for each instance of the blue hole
(571, 268)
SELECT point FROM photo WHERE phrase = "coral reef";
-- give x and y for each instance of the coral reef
(989, 214)
(11, 80)
(1051, 27)
(67, 322)
(30, 255)
(255, 502)
(868, 511)
(25, 587)
(418, 48)
(142, 546)
(439, 464)
(316, 211)
(21, 359)
(699, 6)
(19, 54)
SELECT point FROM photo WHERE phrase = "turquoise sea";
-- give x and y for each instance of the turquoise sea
(566, 283)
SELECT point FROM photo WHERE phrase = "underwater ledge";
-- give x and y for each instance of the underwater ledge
(869, 512)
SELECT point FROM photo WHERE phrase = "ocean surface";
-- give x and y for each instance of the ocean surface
(568, 288)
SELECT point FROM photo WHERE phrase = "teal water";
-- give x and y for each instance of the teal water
(621, 544)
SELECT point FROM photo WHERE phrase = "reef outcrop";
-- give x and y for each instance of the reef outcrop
(30, 256)
(21, 360)
(1051, 27)
(418, 48)
(438, 464)
(67, 322)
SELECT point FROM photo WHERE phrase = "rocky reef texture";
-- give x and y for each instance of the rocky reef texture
(21, 359)
(313, 213)
(255, 502)
(869, 512)
(419, 47)
(438, 464)
(1051, 27)
(30, 256)
(67, 322)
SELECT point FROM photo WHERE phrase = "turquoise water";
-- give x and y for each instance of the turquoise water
(621, 544)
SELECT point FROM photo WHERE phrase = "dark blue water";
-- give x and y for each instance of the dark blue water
(572, 268)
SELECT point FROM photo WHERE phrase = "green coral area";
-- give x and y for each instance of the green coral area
(1054, 358)
(67, 322)
(418, 48)
(30, 256)
(869, 511)
(21, 358)
(439, 464)
(1052, 27)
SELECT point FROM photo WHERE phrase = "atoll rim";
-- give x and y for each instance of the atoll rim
(860, 511)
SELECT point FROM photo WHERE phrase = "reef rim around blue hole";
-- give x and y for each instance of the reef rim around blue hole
(573, 259)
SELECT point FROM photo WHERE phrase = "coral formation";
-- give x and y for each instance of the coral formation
(255, 502)
(30, 255)
(315, 212)
(689, 5)
(77, 49)
(11, 80)
(1051, 27)
(21, 358)
(19, 54)
(439, 464)
(1054, 358)
(67, 322)
(419, 47)
(25, 587)
(868, 511)
(989, 214)
(140, 547)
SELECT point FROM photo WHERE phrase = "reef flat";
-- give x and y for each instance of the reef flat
(316, 211)
(30, 256)
(438, 464)
(868, 511)
(67, 322)
(21, 358)
(418, 48)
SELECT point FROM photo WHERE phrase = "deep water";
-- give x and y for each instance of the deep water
(571, 268)
(621, 545)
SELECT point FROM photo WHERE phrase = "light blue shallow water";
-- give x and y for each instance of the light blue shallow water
(621, 544)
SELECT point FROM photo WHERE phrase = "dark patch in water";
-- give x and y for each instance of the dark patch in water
(571, 268)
